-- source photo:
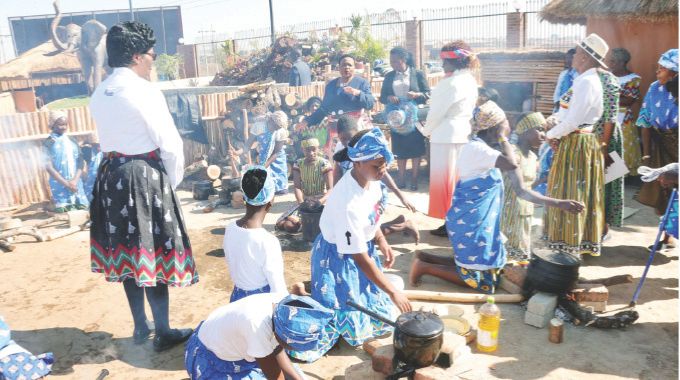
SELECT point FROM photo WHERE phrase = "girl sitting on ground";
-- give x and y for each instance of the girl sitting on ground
(253, 255)
(312, 179)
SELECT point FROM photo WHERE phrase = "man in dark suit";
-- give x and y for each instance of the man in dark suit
(300, 73)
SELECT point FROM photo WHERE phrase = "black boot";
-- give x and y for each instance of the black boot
(441, 231)
(170, 339)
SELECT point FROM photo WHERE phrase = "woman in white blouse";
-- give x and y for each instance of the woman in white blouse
(448, 124)
(138, 236)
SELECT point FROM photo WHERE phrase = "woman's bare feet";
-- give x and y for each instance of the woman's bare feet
(415, 272)
(411, 230)
(298, 288)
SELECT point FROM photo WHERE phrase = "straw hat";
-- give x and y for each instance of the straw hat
(596, 47)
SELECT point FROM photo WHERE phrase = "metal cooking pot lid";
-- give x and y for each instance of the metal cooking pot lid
(557, 258)
(420, 324)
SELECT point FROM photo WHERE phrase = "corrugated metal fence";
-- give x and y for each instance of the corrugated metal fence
(22, 172)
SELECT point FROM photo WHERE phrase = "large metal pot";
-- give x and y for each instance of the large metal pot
(202, 190)
(418, 336)
(551, 272)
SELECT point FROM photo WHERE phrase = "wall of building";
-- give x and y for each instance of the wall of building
(645, 41)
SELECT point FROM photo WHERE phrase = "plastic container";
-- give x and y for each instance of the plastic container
(489, 326)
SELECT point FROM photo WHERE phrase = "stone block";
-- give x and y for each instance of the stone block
(598, 306)
(362, 371)
(381, 360)
(432, 373)
(450, 348)
(509, 286)
(590, 293)
(542, 304)
(370, 346)
(537, 320)
(515, 274)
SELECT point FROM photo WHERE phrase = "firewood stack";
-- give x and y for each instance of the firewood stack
(262, 65)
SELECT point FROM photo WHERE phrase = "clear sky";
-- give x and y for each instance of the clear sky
(228, 16)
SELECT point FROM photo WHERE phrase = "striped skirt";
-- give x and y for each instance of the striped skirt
(137, 230)
(577, 173)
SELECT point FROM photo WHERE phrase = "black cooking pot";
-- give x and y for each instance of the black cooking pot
(552, 272)
(418, 336)
(202, 190)
(231, 184)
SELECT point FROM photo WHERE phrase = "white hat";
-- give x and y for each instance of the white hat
(56, 115)
(596, 47)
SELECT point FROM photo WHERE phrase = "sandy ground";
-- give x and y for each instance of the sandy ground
(53, 303)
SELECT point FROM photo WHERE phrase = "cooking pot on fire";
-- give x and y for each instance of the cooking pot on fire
(418, 336)
(551, 272)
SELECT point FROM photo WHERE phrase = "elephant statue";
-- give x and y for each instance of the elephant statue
(87, 41)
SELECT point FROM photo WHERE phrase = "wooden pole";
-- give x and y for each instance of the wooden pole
(460, 297)
(246, 135)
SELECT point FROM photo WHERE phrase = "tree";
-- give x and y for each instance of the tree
(360, 40)
(167, 66)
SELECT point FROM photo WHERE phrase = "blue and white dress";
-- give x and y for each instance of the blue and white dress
(17, 363)
(349, 222)
(473, 222)
(279, 167)
(92, 167)
(64, 154)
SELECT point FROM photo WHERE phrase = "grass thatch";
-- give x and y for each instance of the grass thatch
(576, 11)
(41, 59)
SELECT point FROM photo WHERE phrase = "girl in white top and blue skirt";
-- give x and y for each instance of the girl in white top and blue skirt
(253, 254)
(345, 262)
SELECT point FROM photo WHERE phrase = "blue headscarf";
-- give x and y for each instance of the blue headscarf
(669, 60)
(370, 146)
(266, 194)
(299, 321)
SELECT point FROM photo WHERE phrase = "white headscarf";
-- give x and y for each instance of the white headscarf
(56, 115)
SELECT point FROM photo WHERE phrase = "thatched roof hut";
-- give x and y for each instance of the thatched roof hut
(577, 11)
(646, 28)
(42, 65)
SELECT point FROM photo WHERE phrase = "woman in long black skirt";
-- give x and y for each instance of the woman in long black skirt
(138, 236)
(405, 84)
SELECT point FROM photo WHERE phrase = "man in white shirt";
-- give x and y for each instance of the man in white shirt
(138, 236)
(577, 171)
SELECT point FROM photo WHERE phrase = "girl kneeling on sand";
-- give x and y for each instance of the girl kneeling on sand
(345, 262)
(473, 222)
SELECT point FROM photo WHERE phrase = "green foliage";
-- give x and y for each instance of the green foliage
(360, 41)
(64, 103)
(227, 48)
(167, 65)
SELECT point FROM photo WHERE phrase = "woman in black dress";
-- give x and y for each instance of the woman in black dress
(402, 84)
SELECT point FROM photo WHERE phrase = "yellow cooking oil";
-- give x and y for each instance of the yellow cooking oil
(488, 327)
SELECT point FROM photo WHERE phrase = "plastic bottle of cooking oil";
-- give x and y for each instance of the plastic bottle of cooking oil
(489, 324)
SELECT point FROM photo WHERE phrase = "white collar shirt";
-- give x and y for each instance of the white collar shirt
(585, 106)
(401, 83)
(132, 117)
